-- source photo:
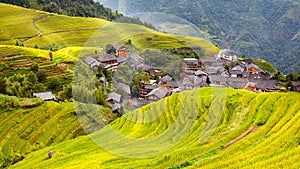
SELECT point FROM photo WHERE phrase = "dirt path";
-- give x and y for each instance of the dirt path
(246, 133)
(40, 33)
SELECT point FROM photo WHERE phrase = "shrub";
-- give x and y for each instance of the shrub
(41, 75)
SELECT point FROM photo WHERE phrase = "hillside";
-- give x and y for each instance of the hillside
(262, 29)
(83, 8)
(50, 31)
(28, 125)
(203, 128)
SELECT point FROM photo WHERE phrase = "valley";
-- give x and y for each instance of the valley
(85, 92)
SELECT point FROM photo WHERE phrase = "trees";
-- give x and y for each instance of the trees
(110, 49)
(2, 83)
(138, 82)
(100, 96)
(41, 75)
(66, 93)
(31, 77)
(54, 83)
(34, 67)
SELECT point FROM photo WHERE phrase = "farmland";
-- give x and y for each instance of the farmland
(177, 132)
(201, 128)
(28, 125)
(50, 31)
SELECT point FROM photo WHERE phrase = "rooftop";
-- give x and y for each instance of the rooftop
(158, 92)
(114, 96)
(107, 58)
(45, 96)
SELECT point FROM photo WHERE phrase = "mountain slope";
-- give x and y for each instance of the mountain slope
(46, 31)
(27, 125)
(190, 129)
(261, 29)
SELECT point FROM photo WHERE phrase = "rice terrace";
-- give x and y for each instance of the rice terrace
(83, 86)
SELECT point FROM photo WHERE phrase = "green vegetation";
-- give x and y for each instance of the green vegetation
(262, 30)
(49, 31)
(263, 65)
(31, 124)
(179, 137)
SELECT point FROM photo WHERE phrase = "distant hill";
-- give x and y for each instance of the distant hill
(37, 29)
(204, 128)
(261, 29)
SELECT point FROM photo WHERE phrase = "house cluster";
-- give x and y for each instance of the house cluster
(109, 61)
(222, 70)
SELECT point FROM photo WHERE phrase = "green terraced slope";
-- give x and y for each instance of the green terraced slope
(44, 30)
(27, 125)
(203, 128)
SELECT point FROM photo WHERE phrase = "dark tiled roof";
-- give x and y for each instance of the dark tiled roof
(133, 58)
(166, 78)
(173, 83)
(266, 84)
(115, 106)
(91, 61)
(124, 87)
(252, 65)
(238, 72)
(114, 96)
(117, 46)
(158, 92)
(295, 84)
(216, 78)
(121, 59)
(237, 83)
(199, 72)
(106, 58)
(148, 68)
(150, 87)
(45, 96)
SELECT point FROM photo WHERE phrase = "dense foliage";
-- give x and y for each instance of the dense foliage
(261, 29)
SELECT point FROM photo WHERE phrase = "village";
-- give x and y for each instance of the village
(221, 70)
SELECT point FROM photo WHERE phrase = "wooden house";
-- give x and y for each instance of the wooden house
(190, 64)
(121, 51)
(252, 68)
(109, 61)
(114, 100)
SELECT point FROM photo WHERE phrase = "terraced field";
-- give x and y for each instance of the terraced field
(68, 54)
(27, 125)
(14, 64)
(56, 31)
(203, 128)
(24, 130)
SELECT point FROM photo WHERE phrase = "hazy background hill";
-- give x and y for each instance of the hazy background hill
(262, 29)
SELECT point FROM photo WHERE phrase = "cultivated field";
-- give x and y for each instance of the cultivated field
(203, 128)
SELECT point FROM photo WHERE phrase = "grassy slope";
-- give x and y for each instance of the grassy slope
(275, 144)
(262, 64)
(63, 31)
(27, 125)
(24, 130)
